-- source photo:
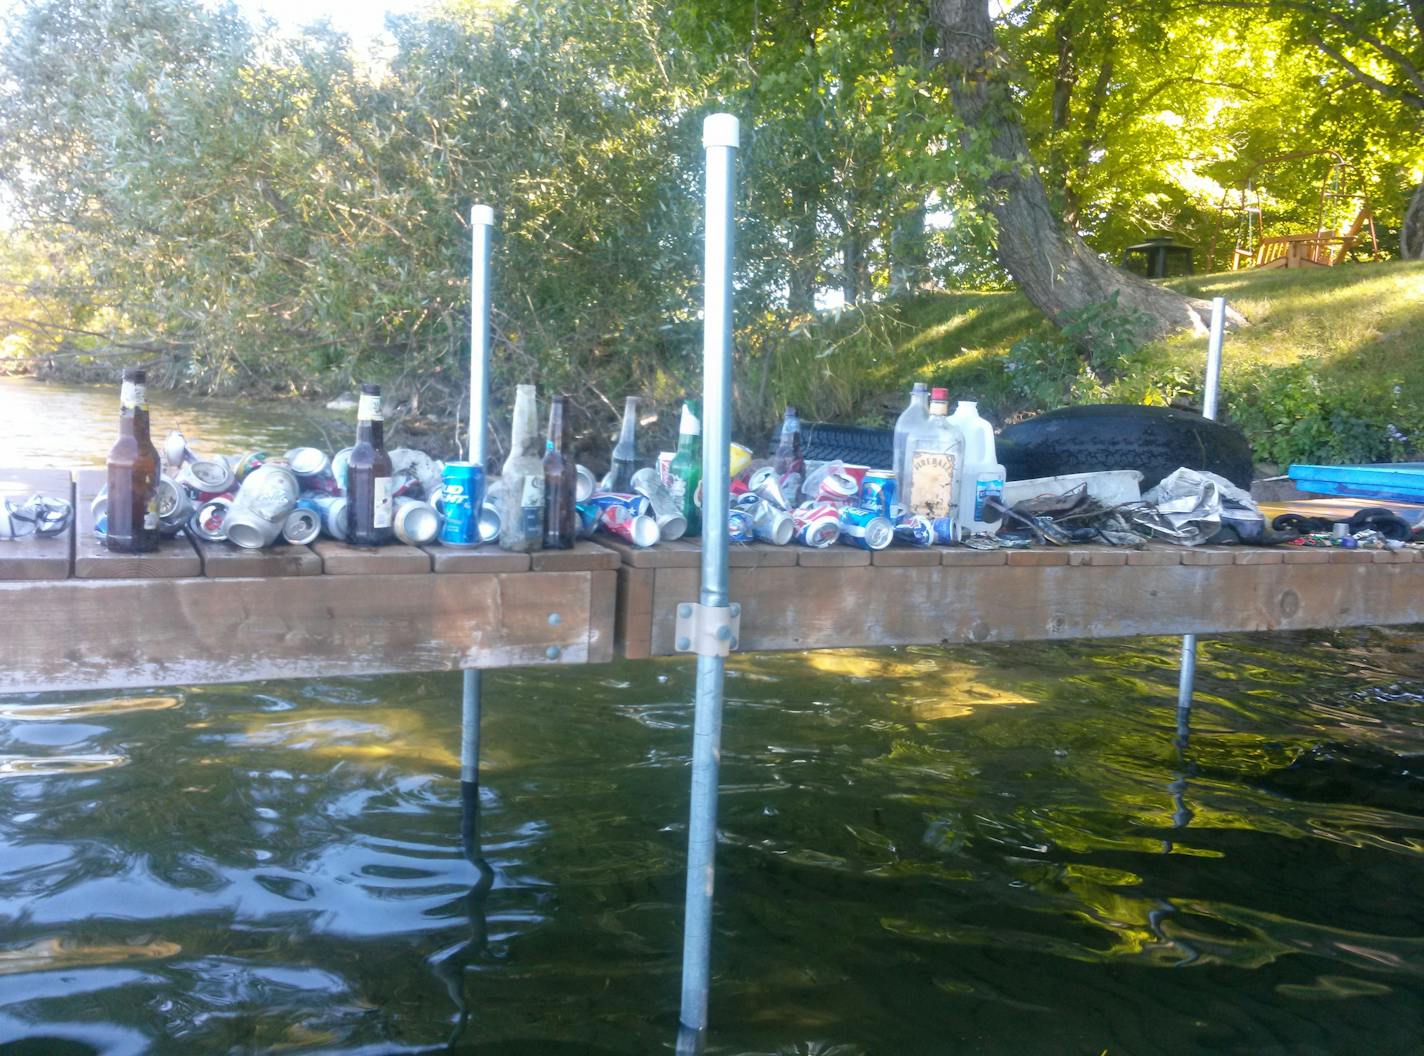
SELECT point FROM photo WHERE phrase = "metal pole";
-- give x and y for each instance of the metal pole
(481, 227)
(720, 137)
(1187, 680)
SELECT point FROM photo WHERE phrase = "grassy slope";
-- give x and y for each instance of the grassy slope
(1357, 325)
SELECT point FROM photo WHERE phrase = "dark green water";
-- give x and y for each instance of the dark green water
(978, 850)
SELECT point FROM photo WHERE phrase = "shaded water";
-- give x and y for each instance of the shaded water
(986, 850)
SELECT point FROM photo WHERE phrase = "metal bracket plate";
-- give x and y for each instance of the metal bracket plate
(707, 630)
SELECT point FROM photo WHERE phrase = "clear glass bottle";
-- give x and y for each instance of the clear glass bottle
(521, 527)
(935, 461)
(559, 480)
(911, 418)
(619, 477)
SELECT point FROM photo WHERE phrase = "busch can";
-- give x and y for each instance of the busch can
(864, 528)
(915, 529)
(877, 491)
(946, 532)
(462, 492)
(739, 525)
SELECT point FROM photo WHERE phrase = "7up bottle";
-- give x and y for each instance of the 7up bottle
(686, 468)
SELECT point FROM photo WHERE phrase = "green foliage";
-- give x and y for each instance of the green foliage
(1074, 365)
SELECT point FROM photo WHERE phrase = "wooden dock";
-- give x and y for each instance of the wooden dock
(78, 617)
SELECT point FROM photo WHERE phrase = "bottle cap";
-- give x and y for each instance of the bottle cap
(920, 386)
(369, 389)
(136, 374)
(939, 394)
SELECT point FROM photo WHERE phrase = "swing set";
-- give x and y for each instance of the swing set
(1323, 247)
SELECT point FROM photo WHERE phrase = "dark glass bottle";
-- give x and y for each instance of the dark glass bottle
(625, 452)
(133, 473)
(370, 502)
(560, 477)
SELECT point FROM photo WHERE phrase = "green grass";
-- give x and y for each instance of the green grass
(1326, 343)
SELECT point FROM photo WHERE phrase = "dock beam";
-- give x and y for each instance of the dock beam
(1186, 681)
(481, 229)
(720, 138)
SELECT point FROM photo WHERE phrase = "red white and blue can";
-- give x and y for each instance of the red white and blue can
(818, 524)
(740, 528)
(866, 528)
(636, 505)
(462, 492)
(915, 529)
(877, 491)
(946, 532)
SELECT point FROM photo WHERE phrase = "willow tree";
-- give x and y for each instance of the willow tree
(1046, 257)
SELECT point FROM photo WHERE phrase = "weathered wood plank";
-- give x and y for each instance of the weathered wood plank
(343, 559)
(680, 553)
(1208, 555)
(1251, 555)
(81, 633)
(957, 557)
(1350, 557)
(905, 556)
(1304, 555)
(803, 608)
(1036, 557)
(174, 558)
(584, 557)
(36, 557)
(1156, 555)
(475, 559)
(634, 626)
(226, 560)
(832, 557)
(602, 615)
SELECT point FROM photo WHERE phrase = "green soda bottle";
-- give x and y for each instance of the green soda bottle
(686, 468)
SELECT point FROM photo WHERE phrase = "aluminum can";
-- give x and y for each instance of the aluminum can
(665, 467)
(818, 524)
(585, 483)
(207, 477)
(866, 529)
(313, 469)
(175, 451)
(302, 526)
(268, 494)
(771, 525)
(247, 463)
(405, 483)
(837, 486)
(766, 485)
(739, 526)
(637, 505)
(331, 509)
(462, 493)
(877, 492)
(339, 464)
(666, 511)
(587, 514)
(490, 523)
(638, 529)
(209, 520)
(915, 529)
(100, 506)
(415, 521)
(946, 532)
(175, 506)
(101, 526)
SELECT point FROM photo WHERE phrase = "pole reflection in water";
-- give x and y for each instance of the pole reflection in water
(1181, 812)
(451, 967)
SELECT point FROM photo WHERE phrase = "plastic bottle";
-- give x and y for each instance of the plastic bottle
(935, 463)
(983, 476)
(787, 461)
(619, 477)
(911, 418)
(686, 468)
(521, 527)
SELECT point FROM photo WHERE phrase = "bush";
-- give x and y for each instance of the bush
(1078, 363)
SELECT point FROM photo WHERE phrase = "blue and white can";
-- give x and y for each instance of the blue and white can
(915, 529)
(462, 493)
(740, 526)
(877, 492)
(866, 529)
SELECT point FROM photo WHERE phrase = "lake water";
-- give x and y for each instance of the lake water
(968, 850)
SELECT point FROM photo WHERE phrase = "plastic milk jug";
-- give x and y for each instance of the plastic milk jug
(983, 477)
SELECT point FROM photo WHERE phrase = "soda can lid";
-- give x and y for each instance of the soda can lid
(307, 461)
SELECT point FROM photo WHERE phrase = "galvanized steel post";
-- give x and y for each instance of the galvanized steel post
(481, 229)
(1186, 681)
(720, 137)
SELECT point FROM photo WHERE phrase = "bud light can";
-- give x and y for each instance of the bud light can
(865, 528)
(877, 491)
(915, 529)
(740, 528)
(462, 492)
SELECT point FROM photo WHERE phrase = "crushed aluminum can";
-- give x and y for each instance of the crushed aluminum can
(340, 462)
(637, 505)
(331, 510)
(915, 529)
(101, 526)
(946, 532)
(818, 524)
(207, 477)
(268, 494)
(766, 485)
(585, 484)
(489, 522)
(587, 515)
(771, 525)
(877, 492)
(415, 521)
(739, 526)
(636, 528)
(246, 463)
(665, 467)
(175, 506)
(175, 451)
(313, 469)
(208, 521)
(865, 529)
(671, 523)
(302, 526)
(837, 486)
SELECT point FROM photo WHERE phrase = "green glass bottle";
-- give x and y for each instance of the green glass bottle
(686, 468)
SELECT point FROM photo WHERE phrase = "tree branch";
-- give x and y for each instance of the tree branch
(1389, 91)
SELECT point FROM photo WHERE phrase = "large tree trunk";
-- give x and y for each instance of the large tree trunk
(1048, 261)
(1411, 231)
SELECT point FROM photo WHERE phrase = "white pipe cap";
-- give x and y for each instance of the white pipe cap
(482, 214)
(721, 130)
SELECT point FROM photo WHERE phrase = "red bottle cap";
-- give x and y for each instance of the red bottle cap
(939, 394)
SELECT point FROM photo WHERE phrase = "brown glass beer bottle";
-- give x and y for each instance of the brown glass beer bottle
(370, 501)
(133, 473)
(560, 478)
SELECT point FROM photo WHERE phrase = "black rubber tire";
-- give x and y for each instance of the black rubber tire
(824, 442)
(1152, 440)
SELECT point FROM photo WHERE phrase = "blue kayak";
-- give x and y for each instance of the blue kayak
(1400, 481)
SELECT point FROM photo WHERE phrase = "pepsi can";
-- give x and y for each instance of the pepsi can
(462, 491)
(877, 491)
(946, 532)
(586, 514)
(915, 529)
(864, 528)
